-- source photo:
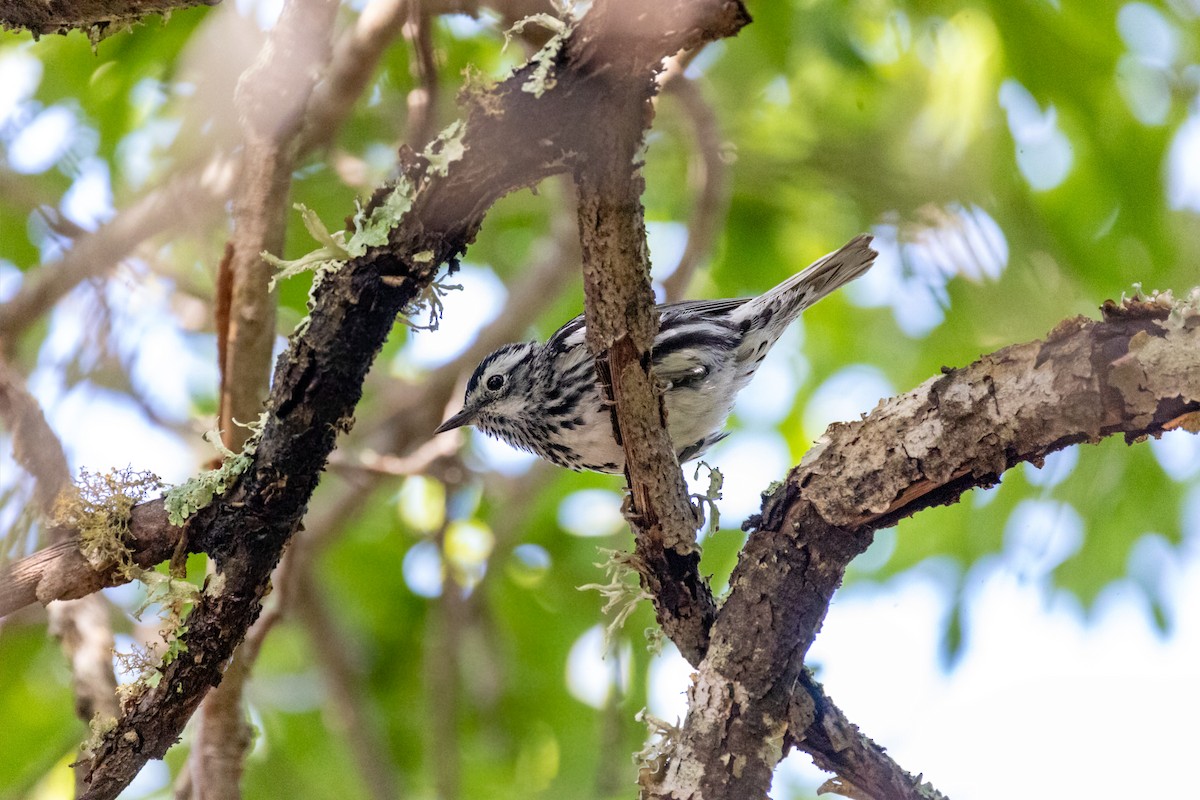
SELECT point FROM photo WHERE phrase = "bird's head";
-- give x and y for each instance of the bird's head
(499, 391)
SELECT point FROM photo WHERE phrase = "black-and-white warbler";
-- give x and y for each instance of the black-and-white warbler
(545, 398)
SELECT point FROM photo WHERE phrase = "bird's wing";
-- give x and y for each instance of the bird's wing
(568, 336)
(694, 307)
(682, 368)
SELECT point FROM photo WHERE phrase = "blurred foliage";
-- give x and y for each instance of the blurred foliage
(1019, 162)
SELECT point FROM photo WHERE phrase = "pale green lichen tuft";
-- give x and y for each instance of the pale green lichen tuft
(542, 79)
(141, 662)
(662, 738)
(372, 229)
(189, 497)
(98, 727)
(708, 499)
(331, 254)
(164, 590)
(175, 597)
(1185, 312)
(447, 148)
(1182, 313)
(621, 596)
(430, 298)
(99, 506)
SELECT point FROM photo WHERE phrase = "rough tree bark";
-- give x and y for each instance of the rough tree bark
(1135, 373)
(622, 324)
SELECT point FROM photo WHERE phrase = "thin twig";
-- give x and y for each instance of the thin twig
(708, 179)
(81, 626)
(423, 99)
(344, 681)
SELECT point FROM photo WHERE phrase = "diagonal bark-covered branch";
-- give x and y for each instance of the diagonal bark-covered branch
(59, 572)
(318, 380)
(862, 768)
(1135, 373)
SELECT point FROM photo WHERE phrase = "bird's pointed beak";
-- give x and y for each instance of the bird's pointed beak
(464, 417)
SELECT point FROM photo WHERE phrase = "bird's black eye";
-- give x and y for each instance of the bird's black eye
(495, 382)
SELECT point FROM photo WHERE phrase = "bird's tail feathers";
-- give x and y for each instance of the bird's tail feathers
(825, 275)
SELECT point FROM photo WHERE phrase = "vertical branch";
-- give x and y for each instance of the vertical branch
(621, 325)
(343, 680)
(271, 99)
(708, 179)
(621, 319)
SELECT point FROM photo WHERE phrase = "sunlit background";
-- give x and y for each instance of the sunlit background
(1017, 162)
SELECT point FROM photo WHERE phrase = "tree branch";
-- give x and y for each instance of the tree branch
(863, 768)
(1135, 373)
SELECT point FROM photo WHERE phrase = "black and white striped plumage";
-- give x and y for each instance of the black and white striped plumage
(544, 398)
